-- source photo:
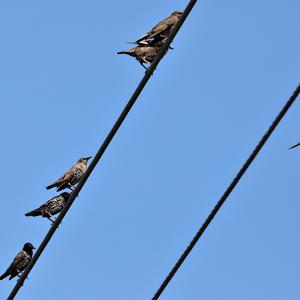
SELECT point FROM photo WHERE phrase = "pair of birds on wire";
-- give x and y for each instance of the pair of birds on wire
(47, 210)
(149, 44)
(68, 180)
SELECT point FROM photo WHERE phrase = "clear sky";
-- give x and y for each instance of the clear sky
(234, 65)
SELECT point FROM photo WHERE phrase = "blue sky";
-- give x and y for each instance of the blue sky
(234, 65)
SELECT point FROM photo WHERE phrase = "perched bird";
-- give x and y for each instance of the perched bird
(295, 146)
(19, 263)
(144, 54)
(160, 31)
(51, 207)
(72, 176)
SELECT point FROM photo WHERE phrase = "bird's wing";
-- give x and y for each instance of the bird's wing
(67, 176)
(64, 178)
(56, 205)
(156, 30)
(37, 211)
(161, 27)
(18, 259)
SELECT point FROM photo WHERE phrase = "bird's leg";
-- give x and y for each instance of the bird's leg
(150, 65)
(49, 218)
(142, 64)
(19, 276)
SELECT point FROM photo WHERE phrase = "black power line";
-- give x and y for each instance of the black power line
(102, 148)
(228, 191)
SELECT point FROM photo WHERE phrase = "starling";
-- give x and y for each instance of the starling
(295, 146)
(144, 54)
(72, 176)
(51, 207)
(19, 263)
(160, 31)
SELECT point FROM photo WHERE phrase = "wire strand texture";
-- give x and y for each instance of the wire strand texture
(102, 149)
(227, 192)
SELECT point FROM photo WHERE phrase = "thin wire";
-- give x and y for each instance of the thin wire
(102, 149)
(228, 191)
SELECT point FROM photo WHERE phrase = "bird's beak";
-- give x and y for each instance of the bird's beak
(33, 247)
(89, 157)
(295, 146)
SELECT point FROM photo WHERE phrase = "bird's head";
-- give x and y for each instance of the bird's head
(28, 247)
(177, 13)
(84, 159)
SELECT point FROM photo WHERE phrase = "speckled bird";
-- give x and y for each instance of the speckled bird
(19, 263)
(72, 176)
(160, 31)
(51, 207)
(144, 54)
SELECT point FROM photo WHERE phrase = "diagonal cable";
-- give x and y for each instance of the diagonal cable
(228, 191)
(102, 148)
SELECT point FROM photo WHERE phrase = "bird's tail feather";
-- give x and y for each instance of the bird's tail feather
(133, 43)
(4, 275)
(140, 43)
(145, 44)
(51, 186)
(123, 52)
(33, 213)
(143, 39)
(62, 187)
(12, 276)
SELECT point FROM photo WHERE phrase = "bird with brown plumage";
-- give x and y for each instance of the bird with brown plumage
(72, 176)
(51, 207)
(160, 31)
(19, 263)
(144, 54)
